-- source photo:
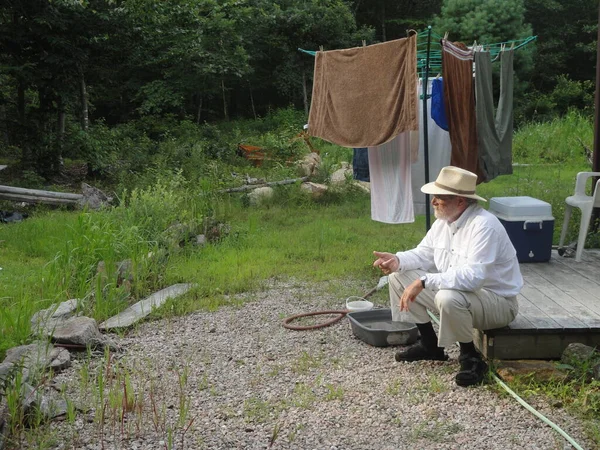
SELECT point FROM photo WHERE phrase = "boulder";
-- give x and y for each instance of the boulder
(261, 195)
(78, 331)
(34, 400)
(341, 175)
(36, 358)
(93, 198)
(144, 307)
(577, 354)
(46, 319)
(543, 371)
(315, 189)
(309, 164)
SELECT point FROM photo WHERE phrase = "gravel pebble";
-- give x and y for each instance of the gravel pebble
(236, 379)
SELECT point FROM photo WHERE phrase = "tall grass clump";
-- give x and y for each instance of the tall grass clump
(560, 141)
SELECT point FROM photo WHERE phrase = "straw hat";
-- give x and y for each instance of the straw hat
(454, 181)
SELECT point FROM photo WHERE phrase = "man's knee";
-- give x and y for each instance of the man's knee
(448, 299)
(394, 281)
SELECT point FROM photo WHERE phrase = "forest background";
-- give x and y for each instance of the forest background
(104, 82)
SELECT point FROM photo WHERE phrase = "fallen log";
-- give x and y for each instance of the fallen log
(249, 187)
(92, 198)
(38, 199)
(39, 193)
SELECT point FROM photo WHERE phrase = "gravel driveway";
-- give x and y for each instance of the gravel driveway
(236, 379)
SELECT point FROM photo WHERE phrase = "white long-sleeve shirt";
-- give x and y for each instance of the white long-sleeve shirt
(470, 253)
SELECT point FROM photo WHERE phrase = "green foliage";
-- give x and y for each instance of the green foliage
(566, 95)
(486, 21)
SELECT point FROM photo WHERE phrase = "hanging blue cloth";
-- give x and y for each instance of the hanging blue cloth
(360, 164)
(438, 108)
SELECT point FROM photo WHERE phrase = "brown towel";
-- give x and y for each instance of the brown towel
(365, 96)
(459, 96)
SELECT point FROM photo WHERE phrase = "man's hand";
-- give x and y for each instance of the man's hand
(410, 293)
(387, 262)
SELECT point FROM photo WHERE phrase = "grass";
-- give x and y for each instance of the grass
(54, 255)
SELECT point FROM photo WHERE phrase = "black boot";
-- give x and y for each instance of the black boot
(425, 349)
(473, 369)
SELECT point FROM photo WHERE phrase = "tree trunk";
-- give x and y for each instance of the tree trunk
(85, 118)
(21, 102)
(199, 113)
(252, 99)
(383, 37)
(304, 92)
(224, 99)
(58, 162)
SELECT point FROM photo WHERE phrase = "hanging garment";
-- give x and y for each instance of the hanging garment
(459, 96)
(494, 135)
(360, 164)
(438, 106)
(389, 167)
(439, 153)
(365, 96)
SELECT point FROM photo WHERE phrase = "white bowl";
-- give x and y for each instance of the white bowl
(356, 304)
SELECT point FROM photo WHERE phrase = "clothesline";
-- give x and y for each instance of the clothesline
(435, 55)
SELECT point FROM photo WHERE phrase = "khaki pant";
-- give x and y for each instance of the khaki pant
(459, 311)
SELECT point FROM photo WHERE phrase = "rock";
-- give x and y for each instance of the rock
(542, 371)
(363, 185)
(341, 175)
(80, 331)
(46, 319)
(261, 195)
(37, 357)
(3, 422)
(201, 240)
(309, 164)
(144, 307)
(596, 371)
(177, 235)
(33, 400)
(315, 189)
(93, 198)
(576, 354)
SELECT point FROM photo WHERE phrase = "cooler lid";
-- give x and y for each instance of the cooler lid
(520, 206)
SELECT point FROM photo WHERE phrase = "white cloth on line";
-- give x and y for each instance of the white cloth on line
(440, 150)
(389, 170)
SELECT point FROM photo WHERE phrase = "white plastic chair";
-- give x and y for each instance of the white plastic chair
(584, 202)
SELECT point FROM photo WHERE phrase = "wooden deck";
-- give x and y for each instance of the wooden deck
(559, 305)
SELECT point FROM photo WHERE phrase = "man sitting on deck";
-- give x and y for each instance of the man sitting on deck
(472, 276)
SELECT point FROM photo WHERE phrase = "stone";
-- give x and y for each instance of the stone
(577, 353)
(363, 185)
(144, 307)
(309, 164)
(33, 399)
(37, 357)
(341, 175)
(79, 331)
(93, 198)
(46, 319)
(542, 371)
(201, 240)
(315, 189)
(261, 195)
(3, 422)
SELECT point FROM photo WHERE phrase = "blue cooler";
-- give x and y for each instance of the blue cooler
(529, 224)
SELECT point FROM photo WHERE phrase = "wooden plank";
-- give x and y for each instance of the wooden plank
(580, 295)
(565, 317)
(530, 309)
(588, 268)
(536, 346)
